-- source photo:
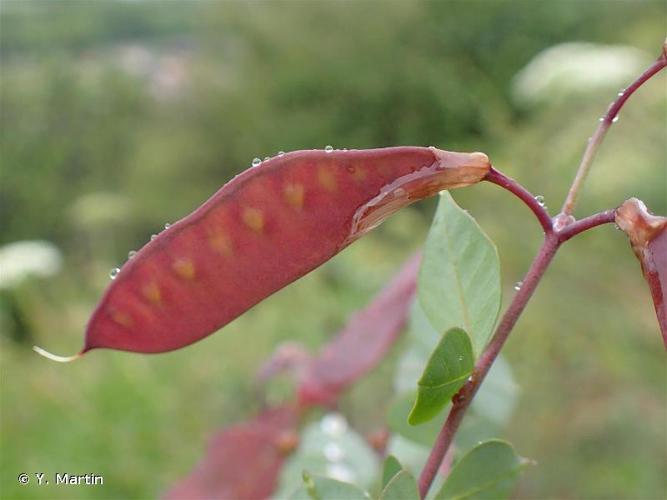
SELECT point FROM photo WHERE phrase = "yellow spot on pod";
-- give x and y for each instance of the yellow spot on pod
(220, 243)
(184, 268)
(152, 292)
(293, 194)
(253, 218)
(327, 179)
(122, 318)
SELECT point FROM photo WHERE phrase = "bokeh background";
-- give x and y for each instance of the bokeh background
(118, 117)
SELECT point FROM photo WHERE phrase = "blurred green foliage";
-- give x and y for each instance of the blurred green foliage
(120, 116)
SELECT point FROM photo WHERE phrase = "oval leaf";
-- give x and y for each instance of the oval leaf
(447, 370)
(489, 470)
(397, 419)
(401, 487)
(325, 488)
(390, 468)
(459, 280)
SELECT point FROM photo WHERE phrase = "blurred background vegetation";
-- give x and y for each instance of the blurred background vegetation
(120, 116)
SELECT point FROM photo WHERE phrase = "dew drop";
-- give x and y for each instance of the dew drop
(518, 285)
(615, 119)
(267, 158)
(281, 153)
(153, 236)
(601, 119)
(460, 358)
(621, 93)
(328, 148)
(256, 162)
(167, 225)
(113, 273)
(333, 452)
(540, 200)
(131, 254)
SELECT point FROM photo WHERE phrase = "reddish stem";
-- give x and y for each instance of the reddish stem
(464, 397)
(557, 231)
(523, 194)
(605, 122)
(585, 224)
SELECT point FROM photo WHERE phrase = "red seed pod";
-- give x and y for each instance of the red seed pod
(262, 230)
(648, 237)
(244, 460)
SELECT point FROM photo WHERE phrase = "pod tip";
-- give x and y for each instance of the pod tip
(53, 357)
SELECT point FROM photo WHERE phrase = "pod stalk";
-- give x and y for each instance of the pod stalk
(55, 357)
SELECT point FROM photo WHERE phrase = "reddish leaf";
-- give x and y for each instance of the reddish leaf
(243, 461)
(648, 236)
(264, 229)
(363, 343)
(290, 357)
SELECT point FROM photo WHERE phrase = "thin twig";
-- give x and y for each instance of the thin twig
(605, 122)
(585, 224)
(560, 229)
(523, 194)
(464, 397)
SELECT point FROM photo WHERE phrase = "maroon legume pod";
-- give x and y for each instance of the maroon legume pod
(264, 229)
(648, 237)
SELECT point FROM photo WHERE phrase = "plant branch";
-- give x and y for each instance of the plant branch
(606, 121)
(463, 398)
(585, 224)
(497, 177)
(557, 231)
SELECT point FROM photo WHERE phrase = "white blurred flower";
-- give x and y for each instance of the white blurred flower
(22, 259)
(577, 68)
(99, 209)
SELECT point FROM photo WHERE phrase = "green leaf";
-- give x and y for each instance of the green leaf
(459, 279)
(357, 461)
(401, 487)
(324, 488)
(390, 468)
(397, 419)
(488, 471)
(448, 368)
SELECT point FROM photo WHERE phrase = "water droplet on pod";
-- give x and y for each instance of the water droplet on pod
(615, 119)
(281, 153)
(518, 285)
(167, 225)
(153, 236)
(256, 162)
(328, 148)
(113, 273)
(267, 158)
(131, 254)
